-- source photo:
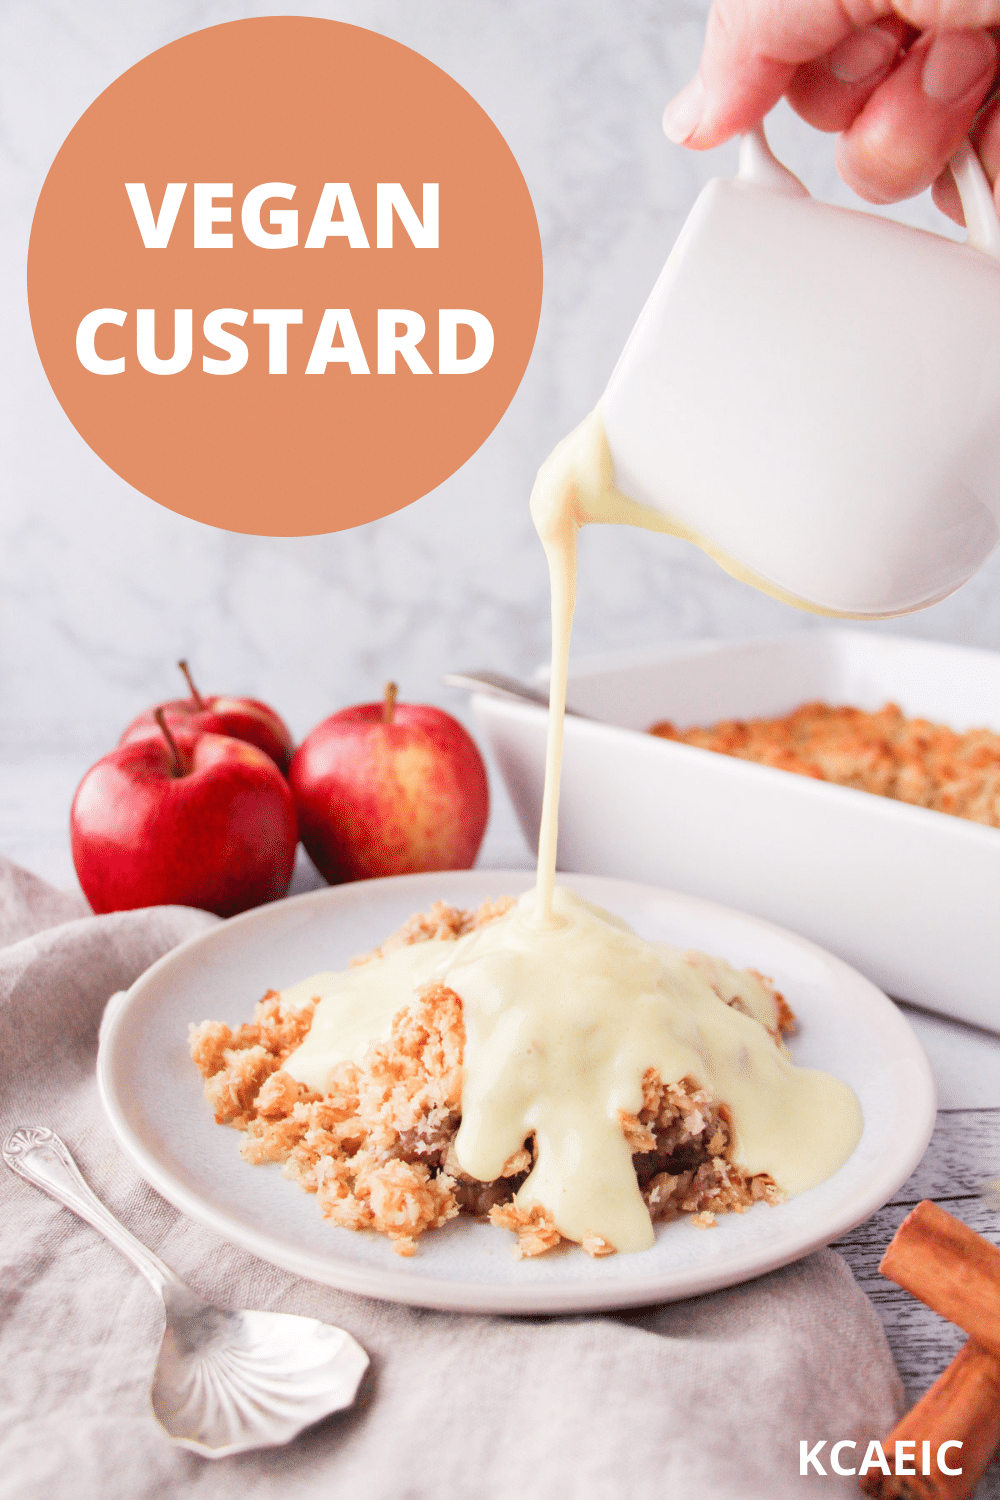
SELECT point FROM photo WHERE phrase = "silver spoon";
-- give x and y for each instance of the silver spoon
(224, 1381)
(501, 685)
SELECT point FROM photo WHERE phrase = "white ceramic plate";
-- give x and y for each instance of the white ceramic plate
(153, 1096)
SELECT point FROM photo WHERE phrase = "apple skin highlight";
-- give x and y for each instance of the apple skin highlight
(389, 789)
(220, 836)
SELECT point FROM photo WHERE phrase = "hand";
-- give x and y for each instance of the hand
(904, 81)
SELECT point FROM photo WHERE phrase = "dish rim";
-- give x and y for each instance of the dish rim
(750, 770)
(889, 809)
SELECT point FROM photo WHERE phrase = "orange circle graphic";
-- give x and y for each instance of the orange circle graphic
(284, 276)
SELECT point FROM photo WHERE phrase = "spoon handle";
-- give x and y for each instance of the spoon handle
(502, 685)
(38, 1155)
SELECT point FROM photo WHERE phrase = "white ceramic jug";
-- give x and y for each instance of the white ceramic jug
(814, 393)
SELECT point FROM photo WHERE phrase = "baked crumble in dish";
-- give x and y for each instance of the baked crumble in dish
(908, 760)
(377, 1148)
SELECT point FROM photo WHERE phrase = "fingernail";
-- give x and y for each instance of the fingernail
(955, 61)
(862, 54)
(682, 115)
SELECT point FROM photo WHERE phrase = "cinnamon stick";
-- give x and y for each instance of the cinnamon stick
(962, 1406)
(956, 1426)
(951, 1268)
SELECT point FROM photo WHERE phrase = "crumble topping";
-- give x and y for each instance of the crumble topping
(377, 1149)
(908, 760)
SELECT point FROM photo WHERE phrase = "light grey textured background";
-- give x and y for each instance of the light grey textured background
(101, 590)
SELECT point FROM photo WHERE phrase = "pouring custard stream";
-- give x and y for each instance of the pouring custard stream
(565, 1009)
(574, 487)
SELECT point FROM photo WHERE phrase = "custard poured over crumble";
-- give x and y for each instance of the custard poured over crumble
(378, 1148)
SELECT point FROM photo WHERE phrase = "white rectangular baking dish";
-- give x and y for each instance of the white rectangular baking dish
(909, 896)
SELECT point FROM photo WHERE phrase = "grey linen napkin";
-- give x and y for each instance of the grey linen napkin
(706, 1398)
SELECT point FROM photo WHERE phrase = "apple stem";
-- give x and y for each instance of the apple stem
(199, 701)
(389, 706)
(178, 766)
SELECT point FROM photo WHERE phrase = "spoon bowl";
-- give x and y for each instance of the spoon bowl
(224, 1381)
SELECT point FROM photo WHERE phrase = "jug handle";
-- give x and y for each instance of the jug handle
(758, 164)
(978, 203)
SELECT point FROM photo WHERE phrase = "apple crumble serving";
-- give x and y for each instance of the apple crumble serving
(909, 760)
(378, 1147)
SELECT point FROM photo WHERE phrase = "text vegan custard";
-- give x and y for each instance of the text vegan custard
(399, 330)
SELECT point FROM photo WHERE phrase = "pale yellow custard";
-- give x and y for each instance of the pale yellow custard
(561, 1023)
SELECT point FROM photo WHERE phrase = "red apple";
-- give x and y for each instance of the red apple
(389, 789)
(184, 819)
(243, 718)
